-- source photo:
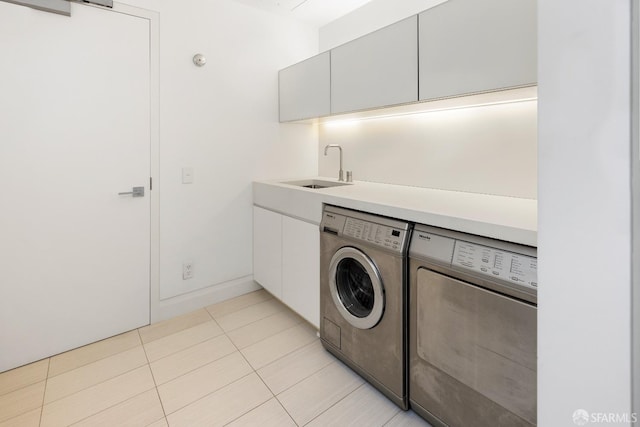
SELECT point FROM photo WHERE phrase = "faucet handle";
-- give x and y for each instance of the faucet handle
(349, 176)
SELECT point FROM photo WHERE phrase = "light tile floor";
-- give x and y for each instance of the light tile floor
(248, 361)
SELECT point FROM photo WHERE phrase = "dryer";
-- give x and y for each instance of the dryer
(363, 296)
(472, 356)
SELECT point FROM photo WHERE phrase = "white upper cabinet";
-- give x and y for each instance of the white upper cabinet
(460, 47)
(304, 89)
(470, 46)
(377, 70)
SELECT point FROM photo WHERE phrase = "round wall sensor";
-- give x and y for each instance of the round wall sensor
(199, 60)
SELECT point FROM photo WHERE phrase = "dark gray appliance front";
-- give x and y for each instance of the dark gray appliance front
(363, 288)
(472, 356)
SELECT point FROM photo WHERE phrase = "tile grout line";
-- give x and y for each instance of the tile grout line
(257, 375)
(96, 384)
(308, 376)
(225, 334)
(176, 332)
(265, 338)
(302, 325)
(197, 367)
(238, 309)
(252, 322)
(93, 361)
(209, 394)
(364, 384)
(188, 347)
(26, 385)
(336, 402)
(214, 391)
(266, 385)
(102, 382)
(254, 370)
(109, 407)
(400, 411)
(46, 381)
(300, 320)
(152, 377)
(285, 409)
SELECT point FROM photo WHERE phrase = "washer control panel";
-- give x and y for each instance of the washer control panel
(510, 267)
(373, 230)
(377, 234)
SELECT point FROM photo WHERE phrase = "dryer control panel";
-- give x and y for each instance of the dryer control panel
(514, 268)
(494, 261)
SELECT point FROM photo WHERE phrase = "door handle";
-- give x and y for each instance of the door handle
(135, 192)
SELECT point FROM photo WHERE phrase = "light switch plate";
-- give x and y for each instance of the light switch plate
(187, 175)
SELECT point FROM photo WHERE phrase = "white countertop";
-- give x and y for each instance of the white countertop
(506, 218)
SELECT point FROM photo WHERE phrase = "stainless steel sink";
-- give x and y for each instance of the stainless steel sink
(315, 183)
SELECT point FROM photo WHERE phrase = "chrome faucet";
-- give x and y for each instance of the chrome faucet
(326, 148)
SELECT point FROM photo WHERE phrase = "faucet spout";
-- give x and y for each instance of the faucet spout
(326, 149)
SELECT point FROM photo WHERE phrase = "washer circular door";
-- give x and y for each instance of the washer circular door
(356, 287)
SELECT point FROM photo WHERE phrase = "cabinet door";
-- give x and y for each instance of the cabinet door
(376, 70)
(301, 268)
(469, 46)
(304, 89)
(267, 250)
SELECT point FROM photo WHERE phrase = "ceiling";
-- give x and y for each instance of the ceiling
(314, 12)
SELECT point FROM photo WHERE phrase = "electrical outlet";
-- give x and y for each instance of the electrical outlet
(187, 270)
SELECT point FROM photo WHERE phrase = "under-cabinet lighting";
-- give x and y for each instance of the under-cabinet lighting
(512, 96)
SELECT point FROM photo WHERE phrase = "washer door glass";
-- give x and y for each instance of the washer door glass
(356, 288)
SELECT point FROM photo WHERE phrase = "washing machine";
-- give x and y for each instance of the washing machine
(363, 296)
(473, 330)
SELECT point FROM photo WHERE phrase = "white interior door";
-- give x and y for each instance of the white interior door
(74, 132)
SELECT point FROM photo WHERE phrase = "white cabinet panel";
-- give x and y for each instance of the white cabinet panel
(304, 89)
(301, 268)
(267, 250)
(376, 70)
(469, 46)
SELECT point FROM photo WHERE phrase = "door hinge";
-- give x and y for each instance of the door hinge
(60, 7)
(105, 3)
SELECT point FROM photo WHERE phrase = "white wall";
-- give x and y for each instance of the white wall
(490, 149)
(584, 209)
(221, 120)
(635, 174)
(370, 17)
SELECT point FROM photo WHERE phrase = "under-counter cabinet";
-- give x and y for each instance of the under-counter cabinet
(301, 268)
(377, 70)
(304, 89)
(267, 250)
(286, 261)
(470, 46)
